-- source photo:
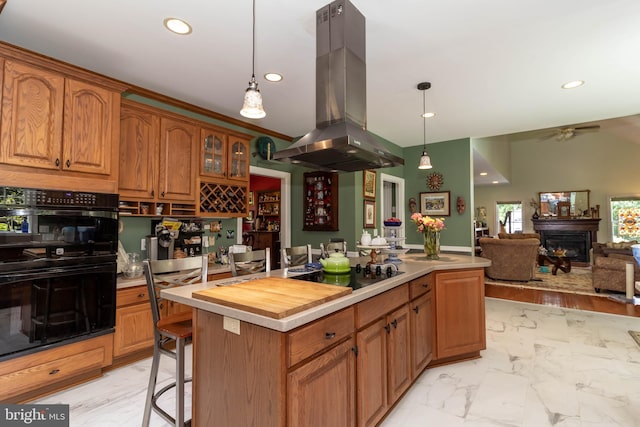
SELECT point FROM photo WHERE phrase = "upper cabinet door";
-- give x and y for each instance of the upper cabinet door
(238, 158)
(178, 167)
(88, 122)
(139, 134)
(213, 153)
(32, 113)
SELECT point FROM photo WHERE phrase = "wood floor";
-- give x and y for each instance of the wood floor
(562, 299)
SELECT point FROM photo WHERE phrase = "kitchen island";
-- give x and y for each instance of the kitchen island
(345, 362)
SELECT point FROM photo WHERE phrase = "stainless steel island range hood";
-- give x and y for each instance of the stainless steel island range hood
(340, 141)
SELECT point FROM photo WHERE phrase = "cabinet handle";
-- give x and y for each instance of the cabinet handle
(330, 335)
(387, 327)
(162, 194)
(425, 285)
(355, 350)
(142, 295)
(395, 323)
(57, 162)
(68, 163)
(55, 371)
(153, 193)
(416, 309)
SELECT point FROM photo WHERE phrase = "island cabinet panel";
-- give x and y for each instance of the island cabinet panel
(372, 377)
(322, 392)
(399, 350)
(460, 315)
(238, 380)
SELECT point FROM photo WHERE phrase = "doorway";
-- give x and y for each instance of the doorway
(284, 208)
(392, 200)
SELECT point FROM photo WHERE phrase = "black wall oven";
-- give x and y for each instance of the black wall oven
(57, 267)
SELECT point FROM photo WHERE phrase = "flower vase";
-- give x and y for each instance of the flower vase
(432, 244)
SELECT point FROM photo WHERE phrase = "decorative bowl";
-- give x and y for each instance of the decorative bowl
(392, 223)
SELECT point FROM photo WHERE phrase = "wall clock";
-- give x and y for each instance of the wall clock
(266, 147)
(434, 181)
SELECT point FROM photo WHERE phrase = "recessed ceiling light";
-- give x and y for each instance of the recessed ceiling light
(273, 77)
(178, 26)
(483, 174)
(573, 84)
(494, 182)
(428, 115)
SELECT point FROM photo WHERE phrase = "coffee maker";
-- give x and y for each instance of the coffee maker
(161, 245)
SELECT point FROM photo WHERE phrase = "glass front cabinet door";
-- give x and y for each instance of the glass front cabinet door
(214, 154)
(239, 158)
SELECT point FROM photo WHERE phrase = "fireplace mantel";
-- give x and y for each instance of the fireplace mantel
(585, 230)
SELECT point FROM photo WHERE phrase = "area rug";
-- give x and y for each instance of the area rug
(578, 281)
(636, 336)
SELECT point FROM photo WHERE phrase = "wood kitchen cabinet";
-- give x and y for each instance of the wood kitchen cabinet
(305, 377)
(384, 362)
(422, 323)
(460, 316)
(158, 161)
(55, 122)
(134, 322)
(224, 154)
(24, 378)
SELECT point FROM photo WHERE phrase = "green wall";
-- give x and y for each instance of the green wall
(453, 160)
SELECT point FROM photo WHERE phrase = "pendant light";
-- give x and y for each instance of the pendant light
(425, 160)
(252, 107)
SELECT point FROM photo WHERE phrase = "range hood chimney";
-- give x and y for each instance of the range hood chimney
(340, 141)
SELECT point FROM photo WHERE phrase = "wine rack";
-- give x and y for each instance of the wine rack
(222, 200)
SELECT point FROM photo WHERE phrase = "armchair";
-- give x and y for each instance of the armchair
(511, 259)
(609, 266)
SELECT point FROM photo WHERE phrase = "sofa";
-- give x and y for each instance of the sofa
(519, 236)
(511, 259)
(609, 262)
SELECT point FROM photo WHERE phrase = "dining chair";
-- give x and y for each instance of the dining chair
(250, 262)
(296, 255)
(171, 332)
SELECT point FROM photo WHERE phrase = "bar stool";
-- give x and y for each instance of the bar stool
(169, 330)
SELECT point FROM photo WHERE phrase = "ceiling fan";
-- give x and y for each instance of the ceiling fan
(568, 132)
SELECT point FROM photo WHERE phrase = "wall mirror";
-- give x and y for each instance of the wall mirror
(578, 203)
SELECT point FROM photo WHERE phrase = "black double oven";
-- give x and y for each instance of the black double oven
(58, 253)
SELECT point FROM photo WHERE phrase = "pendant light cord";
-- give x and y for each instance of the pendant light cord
(424, 121)
(253, 42)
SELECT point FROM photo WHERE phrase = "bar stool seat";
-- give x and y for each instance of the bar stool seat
(168, 331)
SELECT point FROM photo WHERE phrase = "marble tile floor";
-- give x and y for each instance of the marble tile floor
(544, 366)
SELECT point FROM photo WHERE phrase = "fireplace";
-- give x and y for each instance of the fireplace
(576, 236)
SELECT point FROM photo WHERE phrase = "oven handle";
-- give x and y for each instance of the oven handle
(12, 277)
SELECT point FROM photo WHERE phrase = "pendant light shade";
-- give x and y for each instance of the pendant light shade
(252, 107)
(425, 160)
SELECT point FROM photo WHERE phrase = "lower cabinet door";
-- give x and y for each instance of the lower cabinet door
(134, 329)
(372, 373)
(399, 360)
(422, 329)
(322, 392)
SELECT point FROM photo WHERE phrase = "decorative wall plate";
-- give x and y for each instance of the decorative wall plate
(266, 147)
(434, 181)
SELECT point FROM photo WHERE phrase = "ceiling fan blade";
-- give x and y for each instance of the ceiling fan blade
(593, 127)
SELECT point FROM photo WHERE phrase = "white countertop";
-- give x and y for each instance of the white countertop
(413, 266)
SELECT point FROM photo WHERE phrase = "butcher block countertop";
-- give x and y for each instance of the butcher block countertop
(206, 296)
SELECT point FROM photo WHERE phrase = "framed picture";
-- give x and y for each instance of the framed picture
(369, 184)
(250, 197)
(369, 214)
(564, 209)
(435, 204)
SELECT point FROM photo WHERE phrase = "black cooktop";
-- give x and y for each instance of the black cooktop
(358, 277)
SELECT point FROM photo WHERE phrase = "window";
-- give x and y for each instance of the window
(509, 216)
(625, 218)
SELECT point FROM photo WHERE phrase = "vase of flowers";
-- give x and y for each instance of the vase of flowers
(430, 229)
